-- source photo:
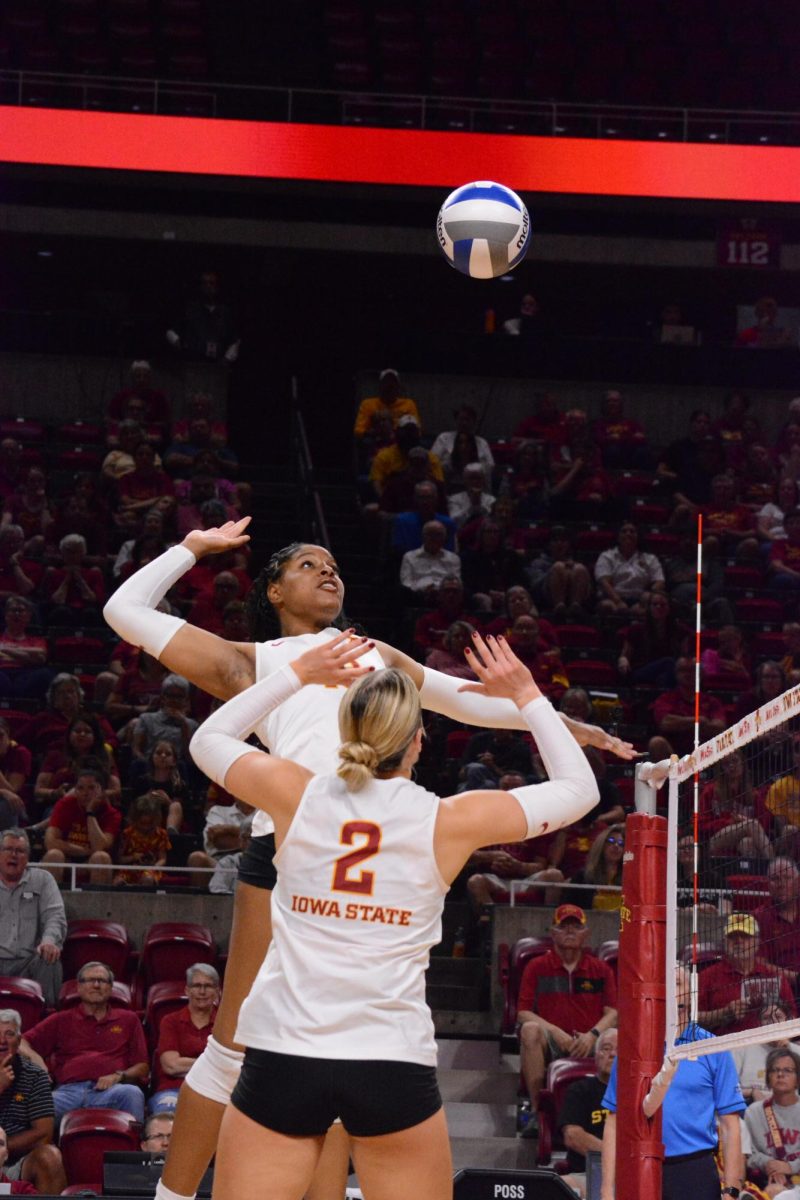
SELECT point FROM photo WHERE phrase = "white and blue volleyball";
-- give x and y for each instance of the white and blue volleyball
(483, 229)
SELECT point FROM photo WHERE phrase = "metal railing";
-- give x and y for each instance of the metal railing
(397, 109)
(72, 869)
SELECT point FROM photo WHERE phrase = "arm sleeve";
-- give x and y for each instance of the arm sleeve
(727, 1092)
(439, 693)
(219, 742)
(131, 611)
(53, 917)
(571, 789)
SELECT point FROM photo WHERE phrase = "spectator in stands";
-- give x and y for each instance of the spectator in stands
(544, 664)
(455, 448)
(208, 329)
(19, 576)
(59, 770)
(728, 526)
(47, 730)
(732, 819)
(199, 404)
(651, 646)
(515, 535)
(622, 440)
(191, 505)
(779, 919)
(518, 601)
(398, 493)
(407, 526)
(226, 871)
(235, 622)
(31, 510)
(528, 861)
(688, 464)
(783, 802)
(12, 468)
(790, 663)
(767, 333)
(75, 591)
(120, 459)
(734, 990)
(728, 665)
(157, 1133)
(169, 723)
(674, 711)
(181, 457)
(394, 459)
(582, 1115)
(603, 870)
(784, 556)
(757, 478)
(580, 487)
(432, 626)
(490, 568)
(770, 682)
(22, 655)
(527, 481)
(559, 583)
(475, 500)
(490, 755)
(146, 486)
(774, 1125)
(83, 826)
(144, 842)
(389, 400)
(27, 1118)
(84, 513)
(681, 574)
(567, 998)
(136, 691)
(751, 1060)
(200, 578)
(15, 770)
(94, 1069)
(546, 423)
(182, 1036)
(423, 571)
(208, 608)
(222, 835)
(728, 427)
(156, 405)
(770, 519)
(32, 919)
(449, 659)
(148, 543)
(163, 772)
(626, 574)
(577, 704)
(527, 325)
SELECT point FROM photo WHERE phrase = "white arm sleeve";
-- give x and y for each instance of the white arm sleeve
(131, 611)
(571, 791)
(439, 693)
(219, 742)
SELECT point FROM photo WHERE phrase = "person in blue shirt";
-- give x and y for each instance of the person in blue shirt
(695, 1095)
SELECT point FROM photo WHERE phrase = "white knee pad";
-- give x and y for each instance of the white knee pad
(215, 1072)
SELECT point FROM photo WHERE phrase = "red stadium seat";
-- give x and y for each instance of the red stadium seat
(707, 953)
(595, 540)
(78, 649)
(23, 995)
(120, 995)
(162, 998)
(560, 1074)
(579, 636)
(23, 429)
(511, 964)
(759, 608)
(457, 742)
(171, 947)
(87, 1134)
(96, 941)
(590, 671)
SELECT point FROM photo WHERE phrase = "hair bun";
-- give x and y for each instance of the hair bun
(361, 754)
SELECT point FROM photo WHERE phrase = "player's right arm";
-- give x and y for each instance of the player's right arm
(219, 667)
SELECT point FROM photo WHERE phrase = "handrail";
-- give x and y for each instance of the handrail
(413, 109)
(74, 867)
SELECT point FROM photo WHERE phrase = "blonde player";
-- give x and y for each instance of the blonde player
(301, 586)
(336, 1023)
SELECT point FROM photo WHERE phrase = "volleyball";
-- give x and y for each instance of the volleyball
(483, 229)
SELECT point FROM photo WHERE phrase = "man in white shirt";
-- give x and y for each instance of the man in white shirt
(474, 501)
(626, 573)
(422, 571)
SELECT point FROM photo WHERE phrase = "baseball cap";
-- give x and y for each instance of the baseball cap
(389, 371)
(569, 912)
(407, 420)
(741, 923)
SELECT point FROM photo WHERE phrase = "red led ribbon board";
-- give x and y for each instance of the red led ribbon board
(412, 158)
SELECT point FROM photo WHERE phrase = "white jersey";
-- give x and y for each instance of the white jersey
(355, 912)
(305, 728)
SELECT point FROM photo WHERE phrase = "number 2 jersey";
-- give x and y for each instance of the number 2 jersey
(305, 728)
(355, 912)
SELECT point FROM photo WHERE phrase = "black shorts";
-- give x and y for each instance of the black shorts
(255, 865)
(302, 1097)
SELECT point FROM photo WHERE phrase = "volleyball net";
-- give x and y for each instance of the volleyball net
(733, 843)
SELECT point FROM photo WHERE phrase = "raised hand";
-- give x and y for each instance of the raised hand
(334, 663)
(218, 539)
(500, 672)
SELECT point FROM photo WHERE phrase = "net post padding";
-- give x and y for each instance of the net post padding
(642, 951)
